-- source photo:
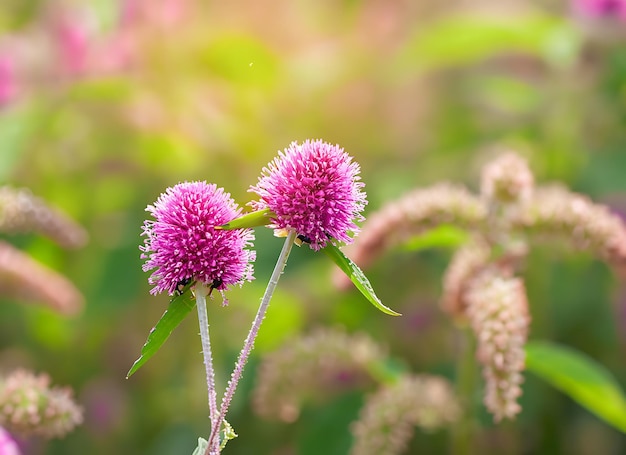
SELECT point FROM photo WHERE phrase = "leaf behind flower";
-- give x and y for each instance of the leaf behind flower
(178, 309)
(249, 220)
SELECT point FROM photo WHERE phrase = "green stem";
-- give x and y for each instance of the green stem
(463, 430)
(213, 446)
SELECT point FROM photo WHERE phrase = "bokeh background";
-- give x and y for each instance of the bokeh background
(106, 103)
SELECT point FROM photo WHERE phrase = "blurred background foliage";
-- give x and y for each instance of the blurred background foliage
(106, 103)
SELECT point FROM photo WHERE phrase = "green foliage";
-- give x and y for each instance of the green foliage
(357, 277)
(581, 378)
(180, 306)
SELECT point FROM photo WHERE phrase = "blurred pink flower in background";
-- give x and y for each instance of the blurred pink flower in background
(8, 80)
(597, 9)
(165, 13)
(73, 40)
(7, 445)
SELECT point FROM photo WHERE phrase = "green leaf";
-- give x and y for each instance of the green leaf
(442, 236)
(580, 377)
(179, 308)
(459, 40)
(202, 444)
(249, 220)
(357, 277)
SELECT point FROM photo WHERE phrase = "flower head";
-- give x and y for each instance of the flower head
(307, 368)
(507, 179)
(183, 245)
(497, 308)
(388, 416)
(314, 189)
(30, 406)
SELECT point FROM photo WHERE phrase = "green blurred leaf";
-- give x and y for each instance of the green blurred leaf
(325, 429)
(357, 277)
(249, 220)
(179, 308)
(580, 377)
(16, 128)
(444, 236)
(241, 59)
(465, 39)
(201, 448)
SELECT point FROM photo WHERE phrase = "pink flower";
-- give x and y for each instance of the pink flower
(183, 245)
(314, 189)
(601, 8)
(8, 80)
(7, 444)
(73, 38)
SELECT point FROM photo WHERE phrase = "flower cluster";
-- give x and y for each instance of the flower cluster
(555, 213)
(182, 243)
(313, 188)
(467, 262)
(322, 362)
(386, 422)
(21, 211)
(413, 214)
(507, 179)
(24, 278)
(479, 285)
(498, 312)
(29, 405)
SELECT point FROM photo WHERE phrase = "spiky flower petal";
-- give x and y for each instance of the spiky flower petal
(313, 188)
(182, 243)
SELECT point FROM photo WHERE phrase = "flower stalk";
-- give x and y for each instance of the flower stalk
(201, 293)
(213, 445)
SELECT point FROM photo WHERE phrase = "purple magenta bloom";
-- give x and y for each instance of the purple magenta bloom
(314, 189)
(601, 8)
(182, 244)
(7, 445)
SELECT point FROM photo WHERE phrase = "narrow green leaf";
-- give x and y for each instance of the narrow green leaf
(249, 220)
(178, 309)
(443, 236)
(584, 380)
(357, 277)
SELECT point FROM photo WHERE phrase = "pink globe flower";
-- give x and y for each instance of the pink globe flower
(182, 244)
(313, 188)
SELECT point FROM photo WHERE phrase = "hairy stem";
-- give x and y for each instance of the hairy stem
(201, 292)
(213, 445)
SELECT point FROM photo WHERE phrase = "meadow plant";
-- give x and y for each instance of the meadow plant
(482, 288)
(29, 405)
(311, 195)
